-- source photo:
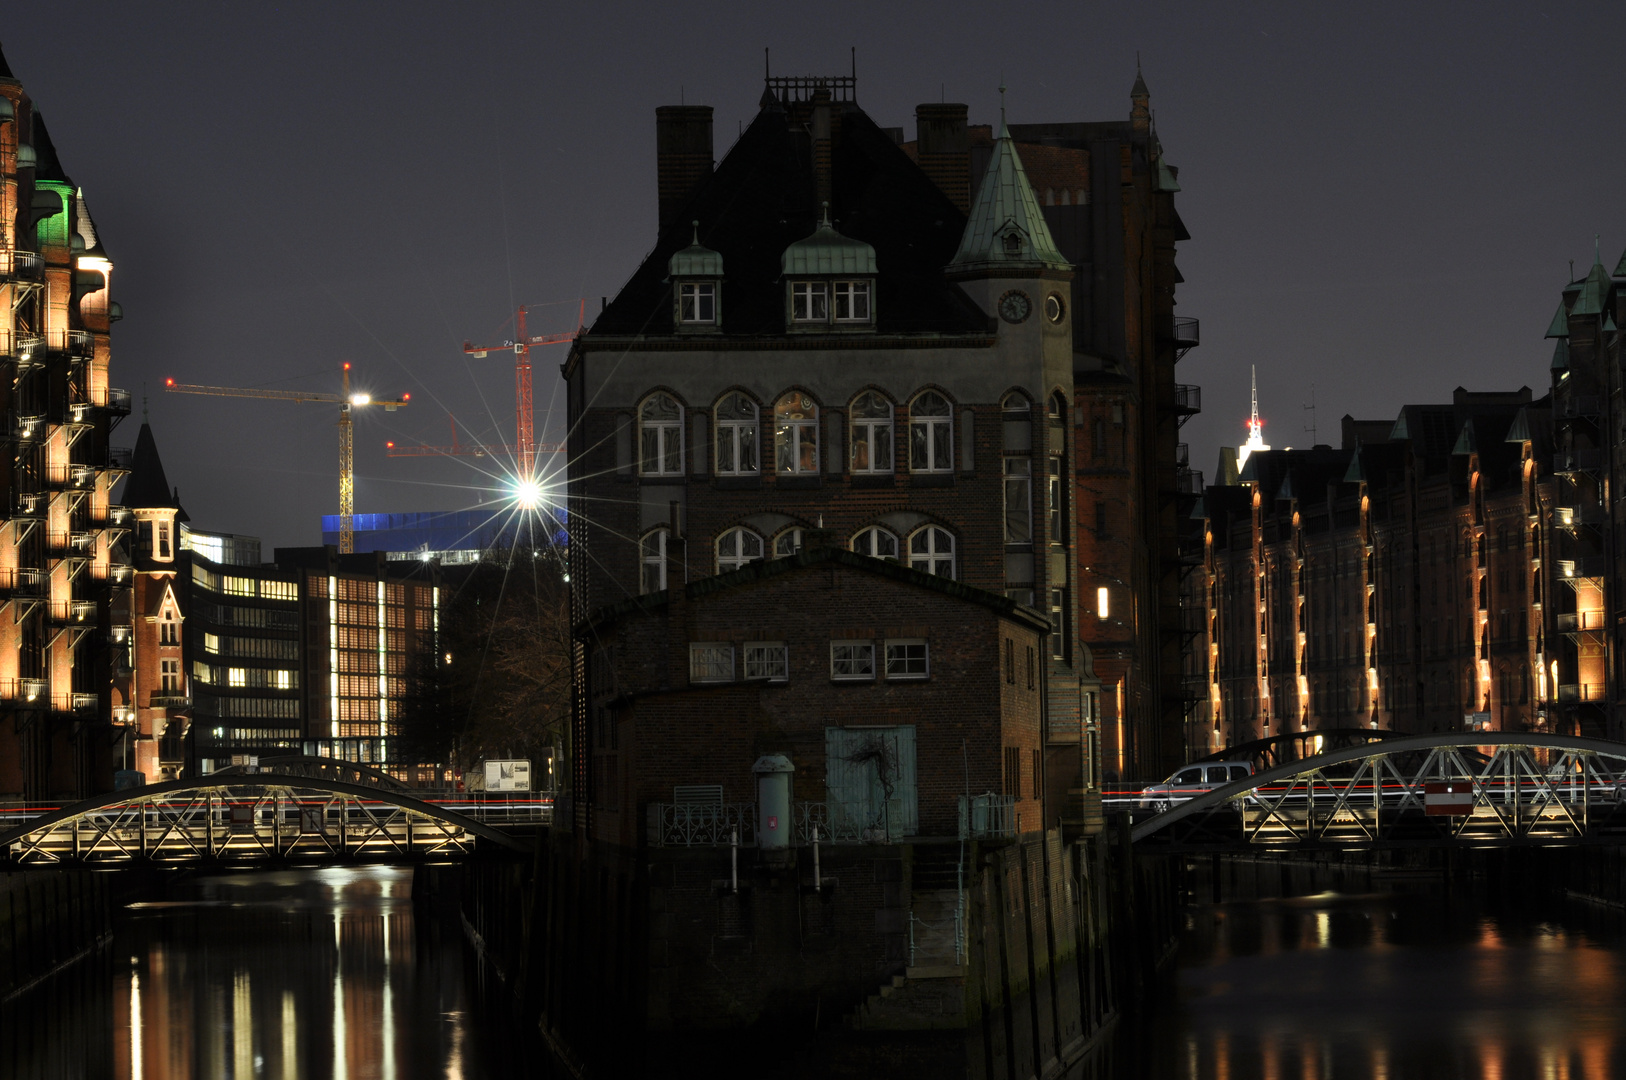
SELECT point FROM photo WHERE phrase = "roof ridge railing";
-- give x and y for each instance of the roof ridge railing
(799, 88)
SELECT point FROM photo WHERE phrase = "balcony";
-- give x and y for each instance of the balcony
(1574, 406)
(1188, 401)
(71, 545)
(168, 699)
(1588, 459)
(1185, 336)
(1573, 517)
(25, 427)
(1182, 455)
(118, 401)
(77, 702)
(73, 612)
(1577, 622)
(23, 691)
(24, 265)
(119, 458)
(1188, 481)
(27, 349)
(988, 816)
(22, 581)
(112, 516)
(1577, 693)
(1588, 566)
(81, 344)
(31, 504)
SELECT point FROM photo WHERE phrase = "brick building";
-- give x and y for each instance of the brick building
(840, 330)
(61, 565)
(823, 656)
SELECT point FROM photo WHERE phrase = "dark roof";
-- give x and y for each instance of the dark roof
(761, 199)
(147, 486)
(765, 569)
(5, 68)
(47, 166)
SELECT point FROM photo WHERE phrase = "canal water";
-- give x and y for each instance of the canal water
(1385, 986)
(290, 975)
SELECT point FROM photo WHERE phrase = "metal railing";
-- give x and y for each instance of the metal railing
(1577, 693)
(1186, 334)
(73, 612)
(81, 344)
(1188, 398)
(27, 691)
(672, 825)
(22, 580)
(1586, 459)
(118, 400)
(23, 265)
(1588, 566)
(1576, 405)
(1574, 622)
(1569, 517)
(988, 816)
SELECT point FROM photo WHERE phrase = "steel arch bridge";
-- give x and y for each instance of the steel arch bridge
(1498, 789)
(1274, 750)
(247, 820)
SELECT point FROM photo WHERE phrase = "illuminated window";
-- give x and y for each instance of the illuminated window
(796, 435)
(871, 424)
(239, 586)
(660, 436)
(736, 547)
(931, 435)
(169, 676)
(161, 549)
(736, 435)
(211, 643)
(236, 676)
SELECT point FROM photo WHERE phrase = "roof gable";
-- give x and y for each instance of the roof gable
(1006, 229)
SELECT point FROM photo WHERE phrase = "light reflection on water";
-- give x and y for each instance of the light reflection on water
(306, 974)
(1392, 988)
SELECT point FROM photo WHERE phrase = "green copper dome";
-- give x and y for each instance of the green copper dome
(828, 252)
(696, 260)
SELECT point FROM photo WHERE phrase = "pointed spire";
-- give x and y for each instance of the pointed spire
(1560, 326)
(1620, 267)
(1594, 292)
(147, 487)
(5, 68)
(46, 164)
(1140, 98)
(1006, 229)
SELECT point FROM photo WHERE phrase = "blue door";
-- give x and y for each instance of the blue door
(870, 782)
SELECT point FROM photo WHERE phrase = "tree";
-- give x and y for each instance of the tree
(499, 684)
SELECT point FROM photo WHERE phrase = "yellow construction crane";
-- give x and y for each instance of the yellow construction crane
(347, 465)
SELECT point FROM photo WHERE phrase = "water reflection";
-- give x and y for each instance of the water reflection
(1391, 987)
(283, 975)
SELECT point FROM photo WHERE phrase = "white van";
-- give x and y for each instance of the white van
(1192, 781)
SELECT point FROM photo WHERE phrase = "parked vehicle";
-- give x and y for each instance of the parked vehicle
(1193, 780)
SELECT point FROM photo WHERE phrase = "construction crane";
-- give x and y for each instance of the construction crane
(347, 464)
(525, 448)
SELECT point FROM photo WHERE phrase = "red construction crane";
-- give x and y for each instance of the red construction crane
(347, 464)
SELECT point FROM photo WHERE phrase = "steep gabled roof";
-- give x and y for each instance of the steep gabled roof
(762, 199)
(1006, 230)
(5, 73)
(1594, 292)
(46, 164)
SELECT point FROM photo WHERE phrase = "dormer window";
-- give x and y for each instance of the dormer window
(697, 303)
(852, 301)
(696, 273)
(809, 302)
(826, 267)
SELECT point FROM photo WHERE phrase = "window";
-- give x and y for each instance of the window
(1038, 774)
(877, 543)
(852, 660)
(1013, 771)
(1010, 661)
(236, 676)
(697, 302)
(169, 676)
(711, 662)
(932, 549)
(810, 301)
(660, 436)
(1058, 624)
(1058, 533)
(169, 631)
(906, 658)
(736, 547)
(1030, 667)
(931, 434)
(161, 540)
(796, 435)
(767, 660)
(852, 301)
(279, 590)
(654, 561)
(1018, 500)
(787, 543)
(871, 422)
(239, 586)
(736, 435)
(1015, 407)
(211, 643)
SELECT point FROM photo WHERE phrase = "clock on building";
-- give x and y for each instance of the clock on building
(1014, 306)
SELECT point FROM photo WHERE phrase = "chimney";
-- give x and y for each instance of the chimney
(943, 148)
(822, 139)
(682, 155)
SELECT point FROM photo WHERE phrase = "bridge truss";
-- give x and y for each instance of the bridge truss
(247, 819)
(1486, 789)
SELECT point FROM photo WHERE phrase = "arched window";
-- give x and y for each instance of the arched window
(871, 422)
(877, 543)
(931, 434)
(660, 436)
(932, 549)
(1015, 406)
(654, 560)
(787, 543)
(736, 435)
(796, 435)
(736, 547)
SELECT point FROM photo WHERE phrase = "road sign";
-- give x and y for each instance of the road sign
(1449, 798)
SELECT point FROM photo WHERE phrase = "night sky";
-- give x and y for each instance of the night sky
(1383, 198)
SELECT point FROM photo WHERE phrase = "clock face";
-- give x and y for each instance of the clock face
(1015, 306)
